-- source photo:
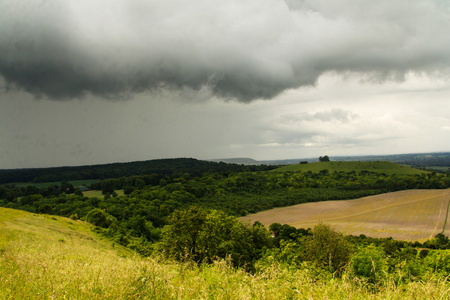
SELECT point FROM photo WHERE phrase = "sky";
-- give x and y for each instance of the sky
(90, 82)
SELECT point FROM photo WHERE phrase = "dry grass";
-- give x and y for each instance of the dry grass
(44, 257)
(405, 215)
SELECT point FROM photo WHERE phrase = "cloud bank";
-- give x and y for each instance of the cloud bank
(242, 50)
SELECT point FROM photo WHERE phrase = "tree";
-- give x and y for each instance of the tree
(205, 236)
(108, 186)
(327, 248)
(324, 158)
(66, 187)
(99, 218)
(180, 237)
(78, 192)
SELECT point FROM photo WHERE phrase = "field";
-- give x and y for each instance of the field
(348, 166)
(412, 215)
(46, 257)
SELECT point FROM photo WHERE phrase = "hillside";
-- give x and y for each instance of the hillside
(191, 166)
(44, 257)
(386, 167)
(414, 215)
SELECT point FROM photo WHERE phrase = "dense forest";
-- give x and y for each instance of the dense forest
(115, 170)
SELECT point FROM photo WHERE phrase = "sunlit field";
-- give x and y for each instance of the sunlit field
(413, 215)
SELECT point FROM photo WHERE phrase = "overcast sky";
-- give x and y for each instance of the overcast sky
(89, 82)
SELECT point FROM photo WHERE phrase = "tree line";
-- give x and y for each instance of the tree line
(115, 170)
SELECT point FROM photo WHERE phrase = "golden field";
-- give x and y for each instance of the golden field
(411, 215)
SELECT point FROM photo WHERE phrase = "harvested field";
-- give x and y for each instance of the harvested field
(412, 215)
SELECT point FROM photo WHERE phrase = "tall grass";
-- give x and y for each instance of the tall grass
(56, 258)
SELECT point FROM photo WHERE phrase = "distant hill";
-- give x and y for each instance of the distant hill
(116, 170)
(348, 166)
(434, 160)
(244, 161)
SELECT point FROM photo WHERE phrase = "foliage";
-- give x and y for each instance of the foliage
(357, 166)
(202, 236)
(36, 264)
(324, 158)
(116, 170)
(328, 249)
(438, 262)
(369, 262)
(99, 218)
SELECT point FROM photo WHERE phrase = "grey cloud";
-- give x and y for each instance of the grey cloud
(335, 114)
(332, 115)
(242, 50)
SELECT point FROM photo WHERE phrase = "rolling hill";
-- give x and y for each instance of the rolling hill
(412, 215)
(386, 167)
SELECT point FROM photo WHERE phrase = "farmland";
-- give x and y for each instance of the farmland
(414, 215)
(178, 236)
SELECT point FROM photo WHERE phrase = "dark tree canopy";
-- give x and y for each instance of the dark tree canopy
(324, 158)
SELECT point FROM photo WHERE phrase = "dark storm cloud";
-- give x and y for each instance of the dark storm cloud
(240, 50)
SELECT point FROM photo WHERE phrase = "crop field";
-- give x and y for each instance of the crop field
(411, 215)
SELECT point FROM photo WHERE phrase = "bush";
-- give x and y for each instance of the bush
(328, 249)
(99, 218)
(438, 261)
(370, 263)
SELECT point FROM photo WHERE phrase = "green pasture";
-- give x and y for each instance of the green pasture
(386, 167)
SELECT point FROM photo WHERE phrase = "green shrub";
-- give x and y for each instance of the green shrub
(99, 218)
(328, 249)
(370, 263)
(438, 261)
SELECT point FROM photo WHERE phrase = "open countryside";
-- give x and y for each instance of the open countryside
(173, 231)
(412, 215)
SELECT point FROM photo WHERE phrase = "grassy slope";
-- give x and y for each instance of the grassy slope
(44, 257)
(358, 166)
(404, 215)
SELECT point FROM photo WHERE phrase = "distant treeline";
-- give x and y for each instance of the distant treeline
(115, 170)
(416, 160)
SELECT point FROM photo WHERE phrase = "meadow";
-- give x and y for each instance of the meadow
(46, 257)
(385, 167)
(411, 215)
